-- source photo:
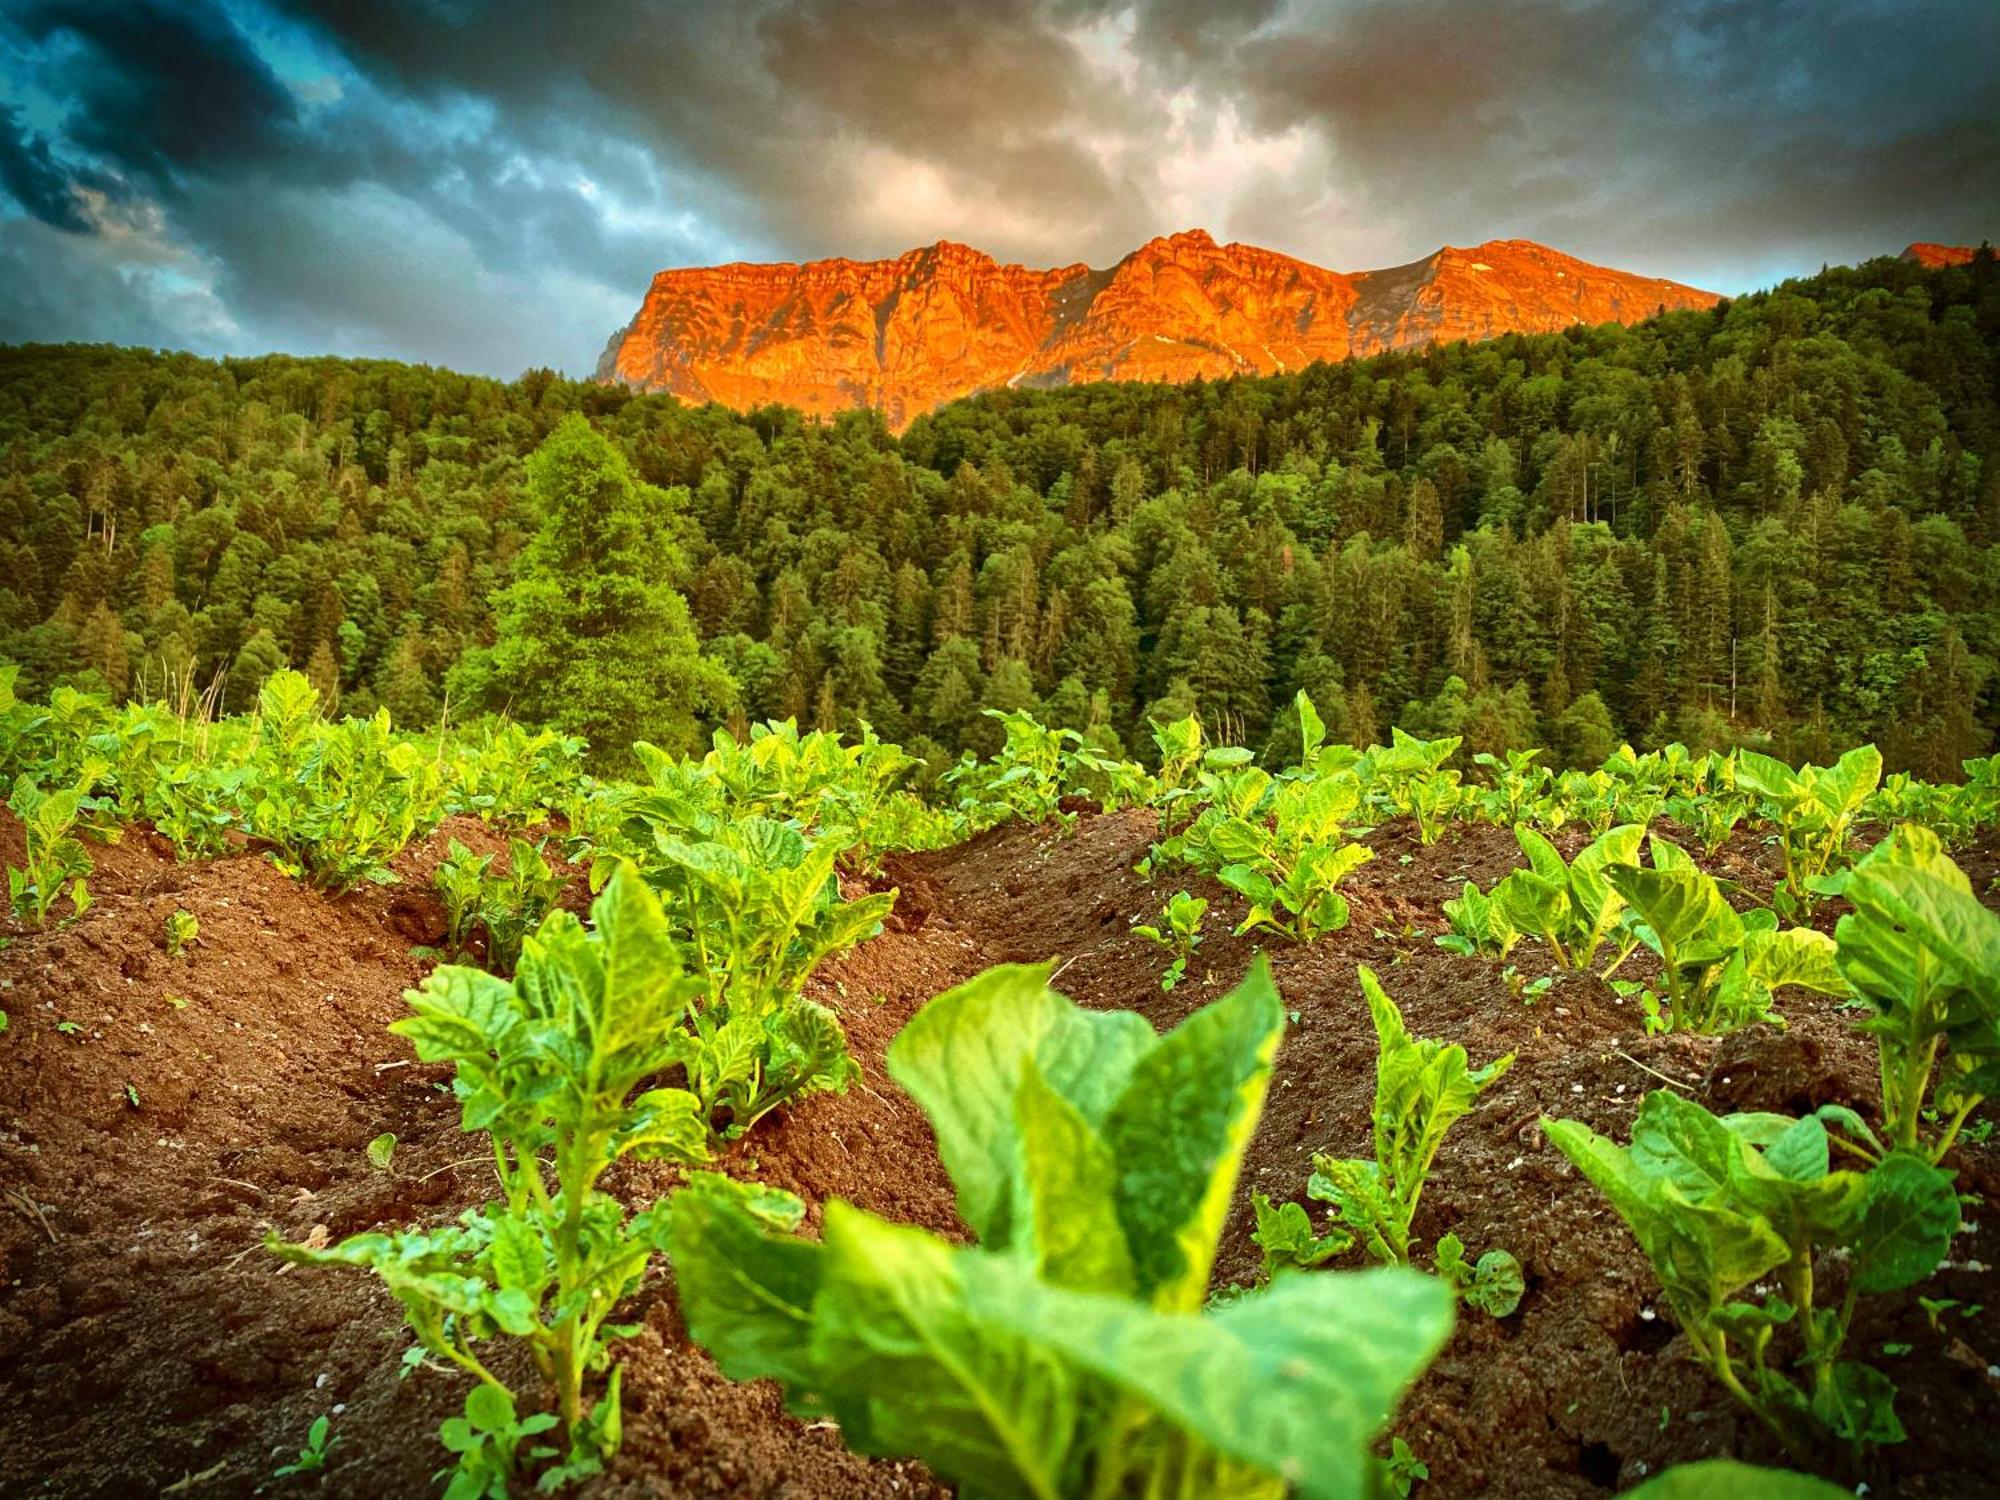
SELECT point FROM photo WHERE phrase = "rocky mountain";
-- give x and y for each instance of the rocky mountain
(1931, 256)
(909, 334)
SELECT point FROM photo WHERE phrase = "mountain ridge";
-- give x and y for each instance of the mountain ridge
(905, 334)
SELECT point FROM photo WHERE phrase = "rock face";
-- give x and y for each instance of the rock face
(909, 334)
(1931, 256)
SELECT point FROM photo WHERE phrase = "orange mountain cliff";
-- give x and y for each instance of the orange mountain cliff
(909, 334)
(1932, 256)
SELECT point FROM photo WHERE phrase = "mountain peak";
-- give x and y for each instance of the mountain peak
(1931, 255)
(946, 320)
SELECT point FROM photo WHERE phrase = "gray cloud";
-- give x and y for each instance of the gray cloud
(490, 183)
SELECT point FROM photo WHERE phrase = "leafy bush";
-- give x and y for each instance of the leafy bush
(1067, 1352)
(1421, 1088)
(1026, 780)
(1281, 845)
(547, 1068)
(1720, 1204)
(1719, 969)
(1922, 953)
(1515, 785)
(334, 800)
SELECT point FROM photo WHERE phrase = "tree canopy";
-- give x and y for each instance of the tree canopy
(1777, 522)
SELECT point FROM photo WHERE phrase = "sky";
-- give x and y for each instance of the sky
(490, 184)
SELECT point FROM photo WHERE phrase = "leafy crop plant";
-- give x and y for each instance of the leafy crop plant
(1719, 969)
(1814, 808)
(1178, 930)
(549, 1069)
(1922, 954)
(1422, 1088)
(54, 858)
(1721, 1205)
(1067, 1354)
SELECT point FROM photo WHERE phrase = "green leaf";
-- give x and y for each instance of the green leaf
(517, 1255)
(746, 1292)
(1858, 1403)
(382, 1151)
(960, 1058)
(1682, 910)
(1070, 1179)
(664, 1125)
(1297, 1379)
(1725, 1479)
(910, 1364)
(1908, 1219)
(1179, 1130)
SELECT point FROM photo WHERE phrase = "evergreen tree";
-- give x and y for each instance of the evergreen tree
(592, 636)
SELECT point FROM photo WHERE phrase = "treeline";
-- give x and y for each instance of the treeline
(1774, 523)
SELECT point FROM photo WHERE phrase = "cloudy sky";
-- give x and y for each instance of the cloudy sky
(486, 185)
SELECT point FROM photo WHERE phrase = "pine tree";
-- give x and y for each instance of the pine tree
(592, 636)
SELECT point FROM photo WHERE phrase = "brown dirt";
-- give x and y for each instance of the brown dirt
(146, 1339)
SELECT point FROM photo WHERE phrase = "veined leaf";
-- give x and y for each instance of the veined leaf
(1179, 1131)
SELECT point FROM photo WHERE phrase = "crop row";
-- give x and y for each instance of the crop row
(1075, 1349)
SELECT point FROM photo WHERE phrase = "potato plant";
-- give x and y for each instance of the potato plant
(757, 909)
(504, 907)
(1571, 907)
(1719, 969)
(1177, 929)
(1067, 1353)
(1813, 808)
(55, 862)
(334, 801)
(550, 1068)
(1422, 1088)
(1922, 954)
(1720, 1205)
(1409, 776)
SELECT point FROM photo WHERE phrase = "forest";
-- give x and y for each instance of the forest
(1773, 526)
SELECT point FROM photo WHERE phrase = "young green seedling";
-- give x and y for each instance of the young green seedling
(312, 1458)
(1178, 930)
(1421, 1088)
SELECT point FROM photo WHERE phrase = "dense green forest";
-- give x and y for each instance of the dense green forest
(1775, 523)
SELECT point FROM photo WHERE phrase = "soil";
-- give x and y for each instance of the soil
(158, 1116)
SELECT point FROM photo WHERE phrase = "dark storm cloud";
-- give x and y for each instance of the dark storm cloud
(1689, 133)
(490, 183)
(160, 87)
(35, 179)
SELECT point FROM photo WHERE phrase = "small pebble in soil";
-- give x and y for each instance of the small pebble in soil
(1647, 1315)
